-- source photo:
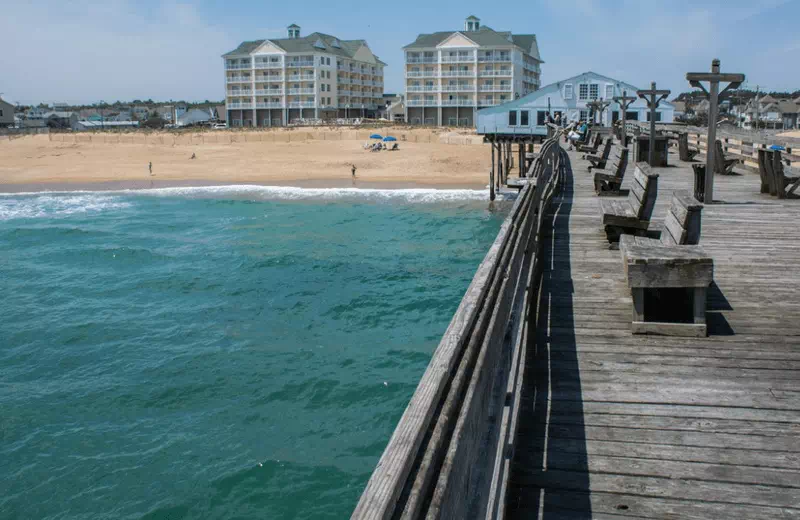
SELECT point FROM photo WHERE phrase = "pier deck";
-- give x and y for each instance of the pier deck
(614, 425)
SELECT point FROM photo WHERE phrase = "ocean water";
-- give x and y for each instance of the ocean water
(228, 352)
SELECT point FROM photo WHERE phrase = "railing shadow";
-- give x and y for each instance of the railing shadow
(549, 474)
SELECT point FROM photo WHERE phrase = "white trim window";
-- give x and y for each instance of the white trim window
(609, 91)
(594, 91)
(583, 91)
(568, 91)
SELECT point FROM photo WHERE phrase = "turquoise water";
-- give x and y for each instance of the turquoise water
(233, 352)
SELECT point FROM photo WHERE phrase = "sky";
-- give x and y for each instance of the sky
(84, 51)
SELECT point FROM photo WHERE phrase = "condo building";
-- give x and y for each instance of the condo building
(450, 75)
(274, 82)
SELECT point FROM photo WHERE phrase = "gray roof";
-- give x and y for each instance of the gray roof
(485, 36)
(345, 49)
(788, 107)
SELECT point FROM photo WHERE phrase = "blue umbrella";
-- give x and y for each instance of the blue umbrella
(376, 136)
(777, 147)
(389, 138)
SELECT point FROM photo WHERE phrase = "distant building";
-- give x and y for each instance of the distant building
(680, 109)
(105, 125)
(567, 98)
(452, 74)
(221, 113)
(140, 113)
(319, 76)
(36, 112)
(768, 112)
(6, 114)
(62, 120)
(195, 116)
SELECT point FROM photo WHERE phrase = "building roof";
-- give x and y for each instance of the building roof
(485, 36)
(680, 106)
(767, 99)
(309, 44)
(788, 107)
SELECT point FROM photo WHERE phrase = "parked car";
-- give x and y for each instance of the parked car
(219, 126)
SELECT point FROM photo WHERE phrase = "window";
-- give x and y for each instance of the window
(512, 118)
(1, 112)
(541, 117)
(568, 93)
(658, 116)
(632, 116)
(594, 91)
(583, 91)
(615, 116)
(609, 91)
(584, 116)
(524, 115)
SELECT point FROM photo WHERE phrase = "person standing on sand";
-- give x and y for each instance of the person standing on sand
(150, 167)
(353, 171)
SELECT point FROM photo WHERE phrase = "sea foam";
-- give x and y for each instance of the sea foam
(55, 205)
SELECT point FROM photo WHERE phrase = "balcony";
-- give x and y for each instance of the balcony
(487, 103)
(355, 81)
(269, 92)
(239, 79)
(300, 91)
(423, 88)
(458, 59)
(494, 73)
(237, 66)
(301, 104)
(269, 64)
(345, 93)
(342, 79)
(458, 102)
(240, 105)
(422, 60)
(300, 63)
(458, 88)
(422, 74)
(300, 77)
(499, 58)
(240, 93)
(494, 88)
(422, 103)
(458, 73)
(269, 105)
(269, 78)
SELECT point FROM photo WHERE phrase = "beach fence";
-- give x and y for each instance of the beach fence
(447, 457)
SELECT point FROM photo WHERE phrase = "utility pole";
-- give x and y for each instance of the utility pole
(653, 98)
(624, 102)
(695, 79)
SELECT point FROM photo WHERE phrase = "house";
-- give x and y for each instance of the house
(62, 120)
(764, 112)
(569, 98)
(195, 116)
(680, 109)
(790, 112)
(36, 112)
(392, 108)
(450, 75)
(273, 82)
(140, 113)
(221, 113)
(6, 114)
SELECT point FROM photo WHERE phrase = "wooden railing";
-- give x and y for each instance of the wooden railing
(744, 146)
(446, 458)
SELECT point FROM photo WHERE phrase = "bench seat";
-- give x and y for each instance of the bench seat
(632, 214)
(610, 182)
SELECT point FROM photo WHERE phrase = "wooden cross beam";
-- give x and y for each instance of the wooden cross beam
(714, 78)
(653, 98)
(598, 107)
(624, 102)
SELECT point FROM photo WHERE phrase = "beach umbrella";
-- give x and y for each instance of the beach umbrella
(376, 136)
(389, 138)
(777, 147)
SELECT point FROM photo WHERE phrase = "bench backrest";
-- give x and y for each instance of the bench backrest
(598, 139)
(763, 170)
(719, 158)
(607, 148)
(622, 163)
(644, 190)
(682, 224)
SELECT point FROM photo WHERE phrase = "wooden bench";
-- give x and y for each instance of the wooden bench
(599, 161)
(663, 273)
(606, 183)
(779, 184)
(684, 152)
(592, 148)
(723, 163)
(632, 215)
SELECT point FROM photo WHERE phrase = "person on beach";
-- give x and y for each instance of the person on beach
(194, 156)
(353, 171)
(150, 167)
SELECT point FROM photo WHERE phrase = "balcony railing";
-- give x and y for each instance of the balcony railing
(487, 102)
(422, 60)
(300, 63)
(423, 88)
(240, 92)
(269, 92)
(491, 73)
(302, 77)
(458, 59)
(240, 105)
(269, 105)
(237, 66)
(345, 93)
(495, 58)
(344, 80)
(494, 88)
(422, 73)
(301, 104)
(240, 79)
(300, 91)
(269, 78)
(458, 88)
(355, 81)
(269, 64)
(458, 102)
(422, 103)
(458, 73)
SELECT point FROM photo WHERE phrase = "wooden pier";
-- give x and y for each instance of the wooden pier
(599, 423)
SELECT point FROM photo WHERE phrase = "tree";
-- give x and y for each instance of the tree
(154, 121)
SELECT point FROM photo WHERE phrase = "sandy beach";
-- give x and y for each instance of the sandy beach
(319, 159)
